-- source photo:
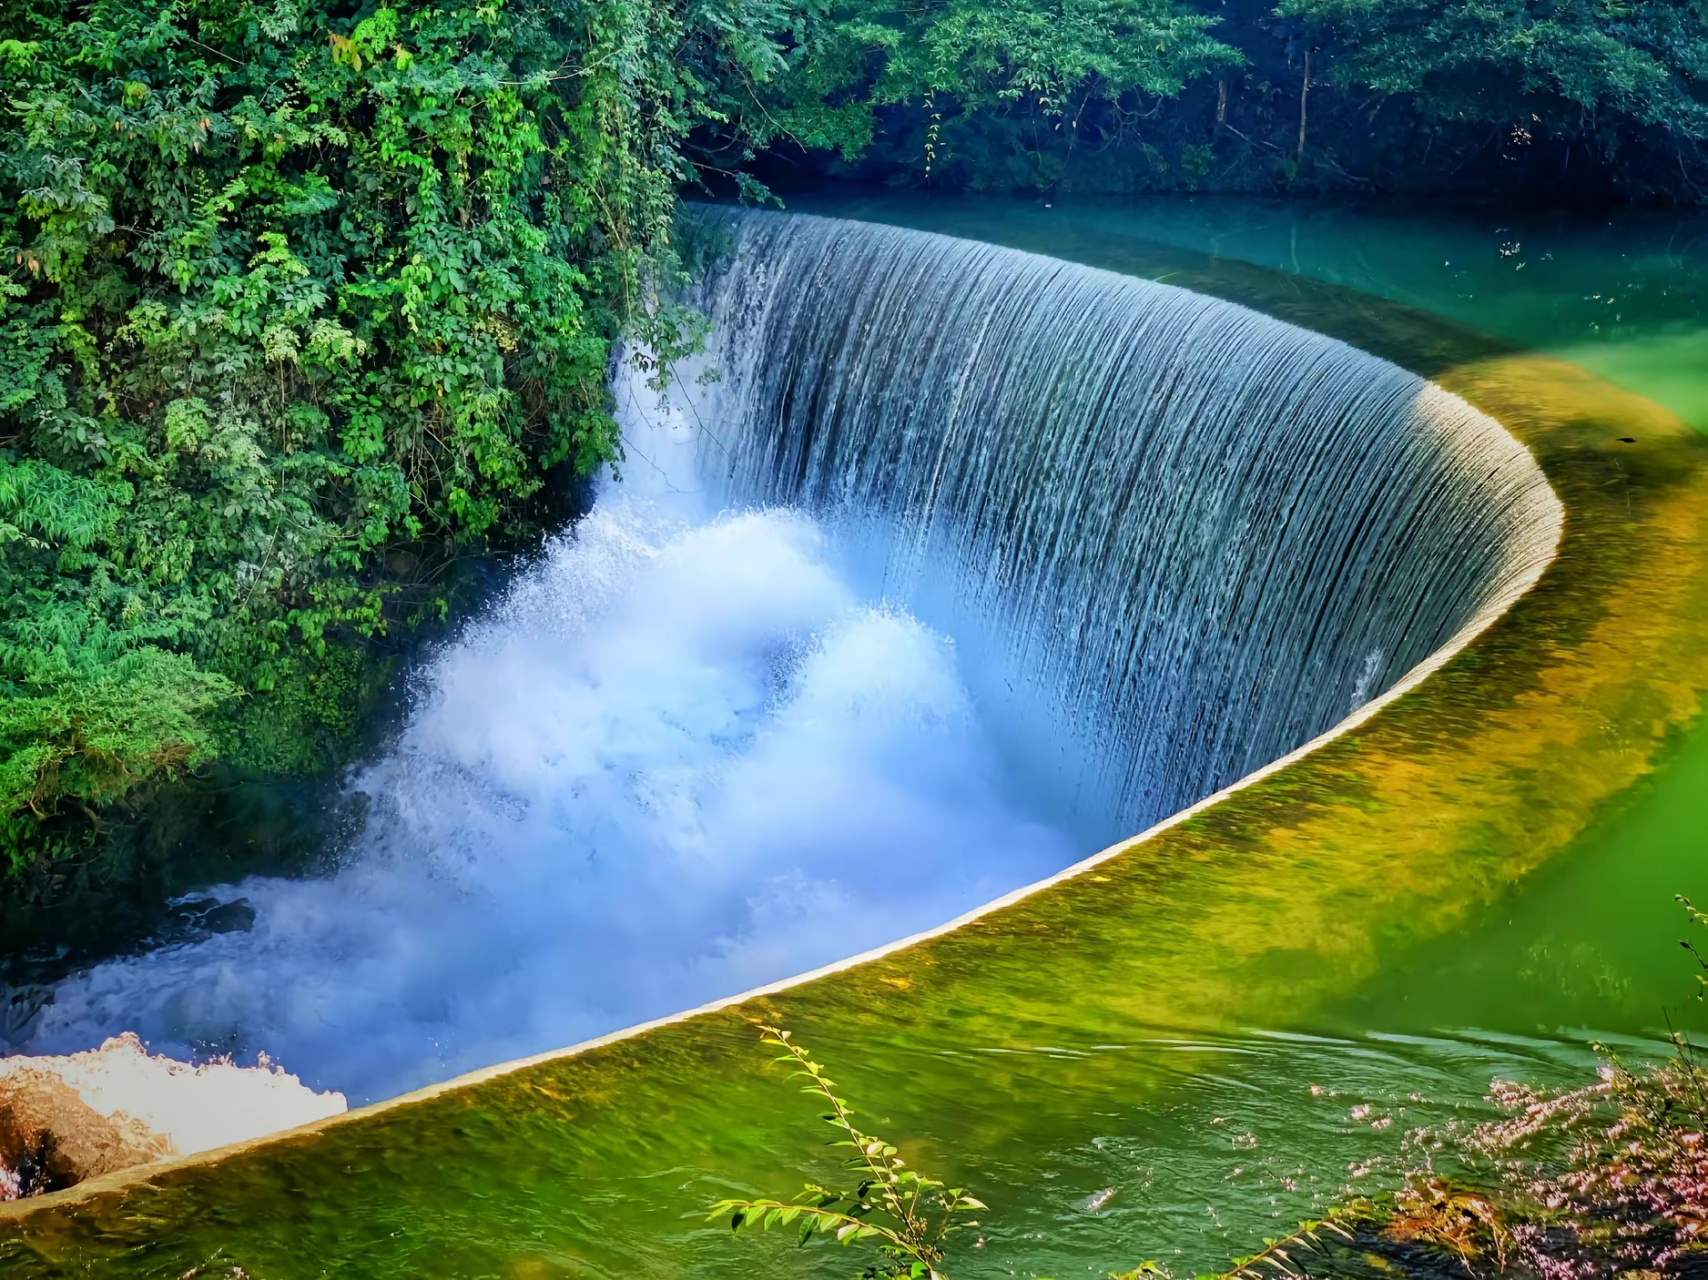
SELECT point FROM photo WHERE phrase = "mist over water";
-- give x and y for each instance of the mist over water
(680, 758)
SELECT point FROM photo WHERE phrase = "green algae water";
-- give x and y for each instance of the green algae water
(1584, 947)
(1176, 1054)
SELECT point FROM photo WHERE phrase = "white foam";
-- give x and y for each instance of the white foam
(681, 758)
(194, 1108)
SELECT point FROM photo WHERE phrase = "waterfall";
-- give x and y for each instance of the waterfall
(941, 566)
(1190, 537)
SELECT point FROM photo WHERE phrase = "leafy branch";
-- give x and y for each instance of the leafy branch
(1700, 918)
(905, 1214)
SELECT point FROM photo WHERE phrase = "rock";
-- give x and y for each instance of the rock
(50, 1138)
(65, 1119)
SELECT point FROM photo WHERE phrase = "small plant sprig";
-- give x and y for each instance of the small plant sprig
(1276, 1256)
(1701, 918)
(905, 1214)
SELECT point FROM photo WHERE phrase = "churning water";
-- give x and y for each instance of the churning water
(680, 759)
(719, 733)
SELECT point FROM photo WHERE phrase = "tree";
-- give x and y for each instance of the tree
(302, 300)
(961, 64)
(1597, 71)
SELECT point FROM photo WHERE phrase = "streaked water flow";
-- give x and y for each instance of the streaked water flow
(1199, 535)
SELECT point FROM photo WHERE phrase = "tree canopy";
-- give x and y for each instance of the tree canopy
(302, 300)
(1146, 94)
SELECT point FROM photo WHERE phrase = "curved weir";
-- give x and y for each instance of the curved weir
(1169, 540)
(1042, 555)
(1177, 534)
(1036, 1051)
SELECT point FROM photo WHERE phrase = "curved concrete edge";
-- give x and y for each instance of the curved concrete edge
(1529, 558)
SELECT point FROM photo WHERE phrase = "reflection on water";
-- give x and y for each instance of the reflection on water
(1185, 1149)
(1254, 1133)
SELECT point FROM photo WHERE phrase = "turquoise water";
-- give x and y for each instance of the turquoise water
(1624, 292)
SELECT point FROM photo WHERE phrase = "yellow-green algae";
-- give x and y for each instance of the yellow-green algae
(1275, 901)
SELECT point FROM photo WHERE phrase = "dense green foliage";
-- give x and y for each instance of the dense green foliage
(301, 302)
(1508, 62)
(1605, 73)
(964, 57)
(1257, 95)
